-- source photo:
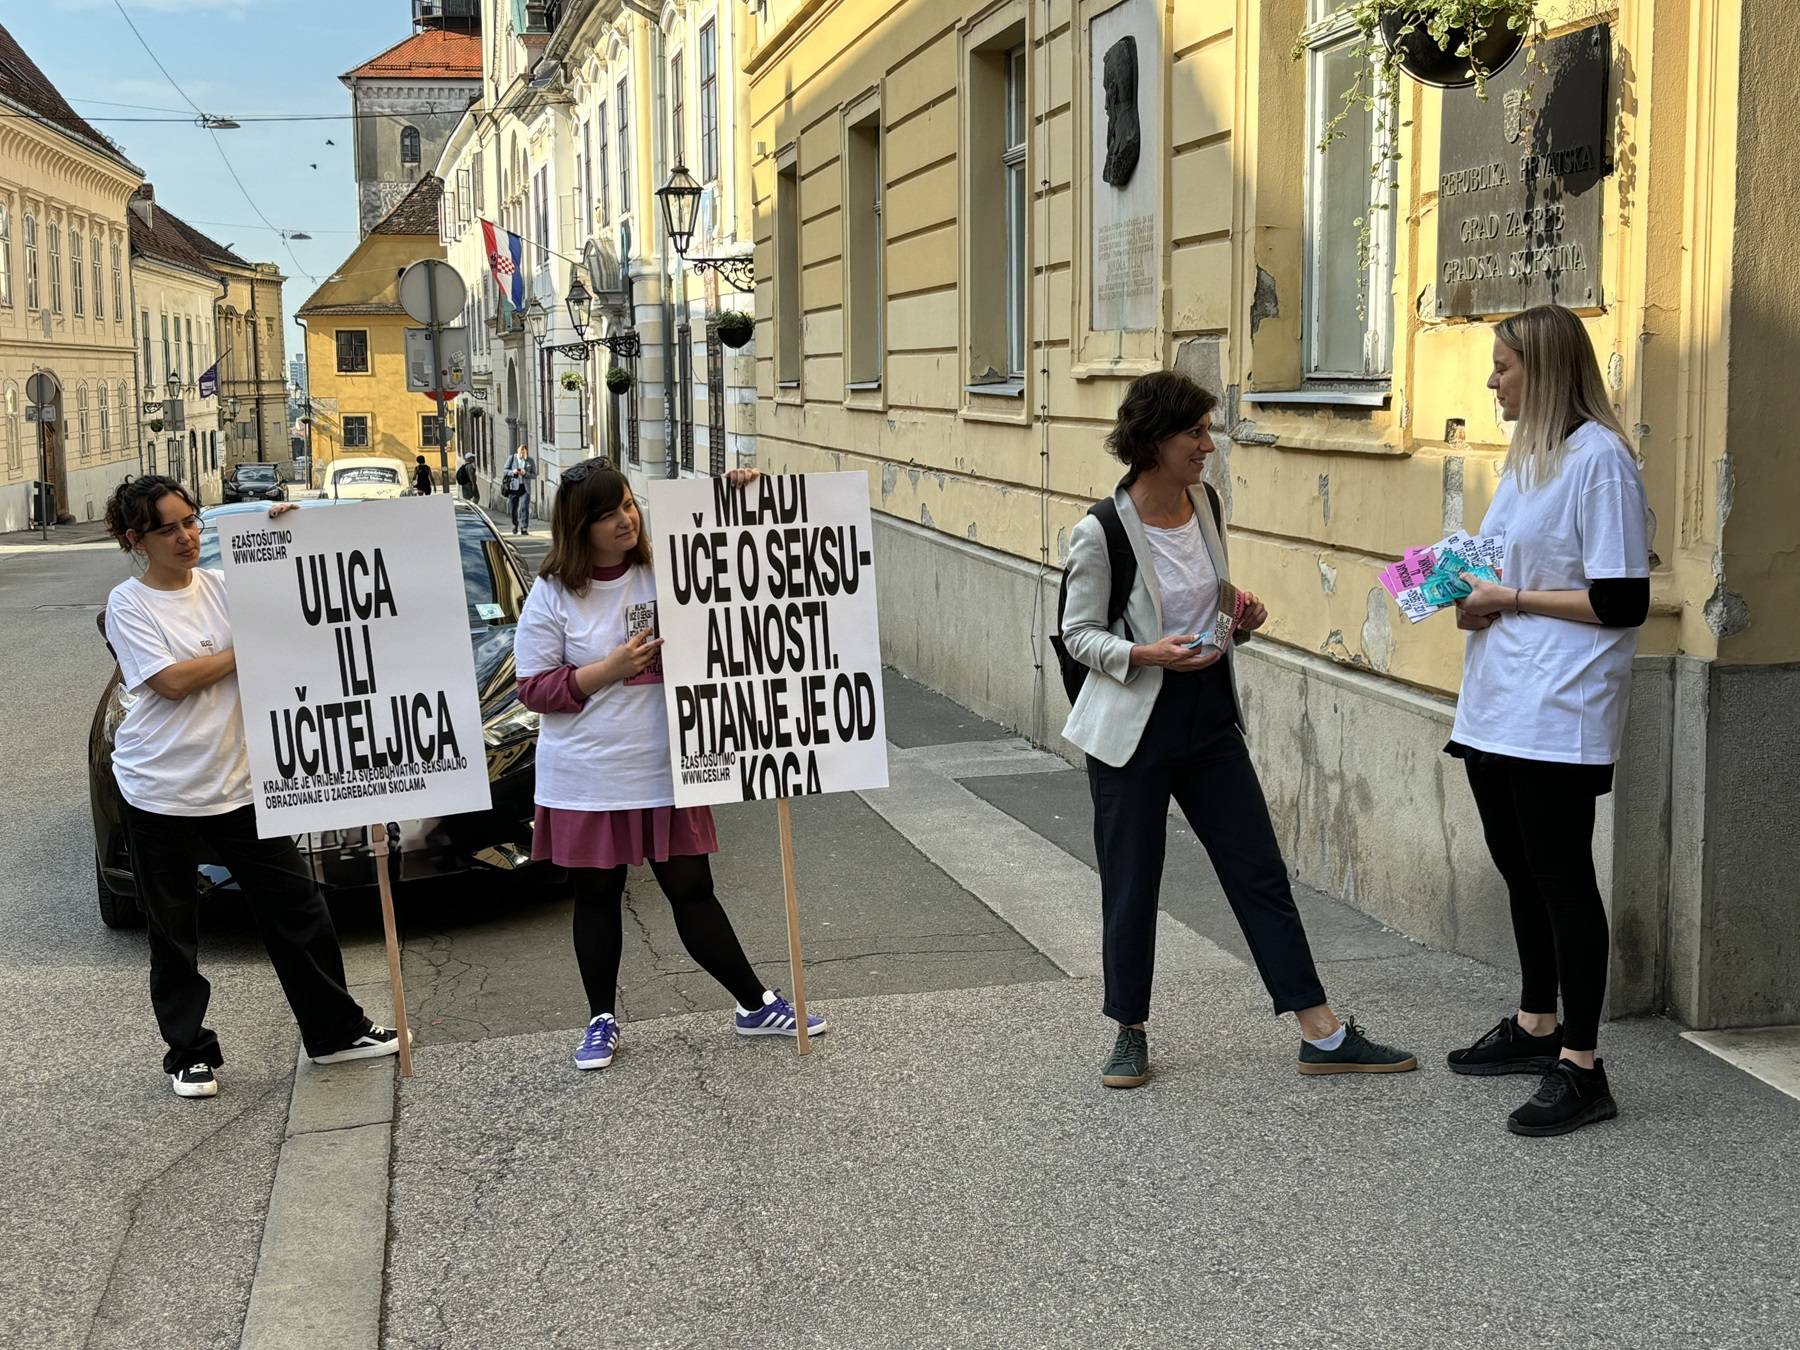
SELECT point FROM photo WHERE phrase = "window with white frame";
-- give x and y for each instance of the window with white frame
(81, 420)
(31, 262)
(14, 461)
(997, 180)
(1013, 157)
(146, 372)
(124, 415)
(600, 162)
(622, 106)
(584, 178)
(864, 291)
(709, 102)
(678, 111)
(105, 418)
(432, 433)
(118, 287)
(54, 236)
(168, 357)
(78, 284)
(6, 284)
(1347, 310)
(99, 288)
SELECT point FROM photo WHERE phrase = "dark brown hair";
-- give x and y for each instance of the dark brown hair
(588, 491)
(136, 506)
(1159, 405)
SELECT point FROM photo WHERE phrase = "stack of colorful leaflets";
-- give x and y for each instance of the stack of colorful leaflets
(1229, 613)
(1429, 579)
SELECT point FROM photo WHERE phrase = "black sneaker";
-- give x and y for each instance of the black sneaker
(1358, 1054)
(1568, 1098)
(1508, 1048)
(1129, 1064)
(197, 1080)
(373, 1043)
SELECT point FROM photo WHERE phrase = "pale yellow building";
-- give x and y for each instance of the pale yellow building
(65, 302)
(956, 282)
(355, 345)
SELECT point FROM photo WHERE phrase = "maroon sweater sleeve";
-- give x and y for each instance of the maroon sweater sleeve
(554, 691)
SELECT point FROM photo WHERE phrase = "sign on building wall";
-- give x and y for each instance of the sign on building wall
(765, 599)
(1125, 132)
(1521, 179)
(354, 665)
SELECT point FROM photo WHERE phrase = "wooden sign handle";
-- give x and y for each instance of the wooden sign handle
(796, 975)
(378, 840)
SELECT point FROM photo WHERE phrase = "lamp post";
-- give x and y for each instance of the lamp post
(172, 384)
(580, 304)
(228, 407)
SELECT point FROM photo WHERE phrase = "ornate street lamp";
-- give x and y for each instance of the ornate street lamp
(173, 384)
(537, 318)
(580, 305)
(680, 198)
(578, 300)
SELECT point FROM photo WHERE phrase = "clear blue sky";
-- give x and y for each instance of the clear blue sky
(236, 58)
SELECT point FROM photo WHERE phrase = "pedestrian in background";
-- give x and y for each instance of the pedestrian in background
(1541, 714)
(421, 476)
(465, 479)
(183, 772)
(1158, 717)
(516, 478)
(587, 662)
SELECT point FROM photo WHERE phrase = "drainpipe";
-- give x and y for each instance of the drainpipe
(659, 96)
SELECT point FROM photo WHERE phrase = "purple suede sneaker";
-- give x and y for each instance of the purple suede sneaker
(598, 1044)
(776, 1018)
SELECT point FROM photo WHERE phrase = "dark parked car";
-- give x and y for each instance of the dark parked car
(496, 841)
(254, 483)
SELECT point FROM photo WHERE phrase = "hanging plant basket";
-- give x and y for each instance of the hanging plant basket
(618, 379)
(155, 424)
(571, 380)
(1454, 62)
(736, 327)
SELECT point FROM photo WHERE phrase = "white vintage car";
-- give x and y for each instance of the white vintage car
(365, 477)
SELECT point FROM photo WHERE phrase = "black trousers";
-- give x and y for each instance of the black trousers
(1539, 821)
(289, 911)
(1207, 770)
(520, 502)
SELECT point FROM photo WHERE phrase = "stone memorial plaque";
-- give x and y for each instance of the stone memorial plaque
(1125, 90)
(1521, 181)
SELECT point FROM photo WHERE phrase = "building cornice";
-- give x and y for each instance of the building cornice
(23, 133)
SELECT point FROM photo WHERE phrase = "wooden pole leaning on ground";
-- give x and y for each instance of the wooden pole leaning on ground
(797, 976)
(378, 839)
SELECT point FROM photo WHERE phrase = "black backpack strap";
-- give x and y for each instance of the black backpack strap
(1119, 557)
(1212, 497)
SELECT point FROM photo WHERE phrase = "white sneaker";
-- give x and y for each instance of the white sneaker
(372, 1044)
(197, 1080)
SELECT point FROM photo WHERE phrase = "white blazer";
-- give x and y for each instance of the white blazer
(1114, 705)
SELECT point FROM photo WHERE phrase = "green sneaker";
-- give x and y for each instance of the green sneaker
(1129, 1064)
(1358, 1054)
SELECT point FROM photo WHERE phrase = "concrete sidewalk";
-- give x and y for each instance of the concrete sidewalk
(945, 1168)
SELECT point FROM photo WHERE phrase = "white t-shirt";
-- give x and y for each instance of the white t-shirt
(1186, 576)
(1554, 689)
(613, 754)
(176, 757)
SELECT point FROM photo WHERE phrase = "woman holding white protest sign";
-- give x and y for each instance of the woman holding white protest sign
(1150, 620)
(1541, 715)
(183, 773)
(586, 654)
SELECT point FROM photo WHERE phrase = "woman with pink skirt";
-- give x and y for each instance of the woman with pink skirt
(587, 662)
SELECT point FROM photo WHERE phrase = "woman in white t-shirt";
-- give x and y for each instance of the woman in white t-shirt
(586, 654)
(1546, 678)
(183, 773)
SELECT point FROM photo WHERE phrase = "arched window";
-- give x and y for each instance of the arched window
(124, 418)
(81, 419)
(13, 463)
(105, 412)
(32, 299)
(78, 288)
(5, 257)
(409, 145)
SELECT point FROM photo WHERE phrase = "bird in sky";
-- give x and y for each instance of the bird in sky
(329, 141)
(312, 166)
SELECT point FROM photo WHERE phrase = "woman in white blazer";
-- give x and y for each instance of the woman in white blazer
(1158, 717)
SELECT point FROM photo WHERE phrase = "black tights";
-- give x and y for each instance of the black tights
(1539, 822)
(699, 918)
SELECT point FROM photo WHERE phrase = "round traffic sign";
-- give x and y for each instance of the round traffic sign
(429, 282)
(43, 387)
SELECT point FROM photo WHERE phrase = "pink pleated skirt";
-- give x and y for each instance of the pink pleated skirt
(629, 838)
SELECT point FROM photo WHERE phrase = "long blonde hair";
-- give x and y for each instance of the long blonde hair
(1563, 389)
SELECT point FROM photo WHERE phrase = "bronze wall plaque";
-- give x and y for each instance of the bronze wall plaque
(1521, 178)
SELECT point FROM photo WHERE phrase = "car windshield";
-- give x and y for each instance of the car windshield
(492, 589)
(367, 474)
(256, 473)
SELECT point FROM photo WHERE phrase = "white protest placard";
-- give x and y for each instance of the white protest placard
(765, 599)
(355, 669)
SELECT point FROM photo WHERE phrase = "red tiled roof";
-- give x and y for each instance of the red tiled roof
(23, 83)
(433, 54)
(417, 211)
(163, 236)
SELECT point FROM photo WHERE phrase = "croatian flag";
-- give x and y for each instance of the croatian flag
(506, 261)
(209, 381)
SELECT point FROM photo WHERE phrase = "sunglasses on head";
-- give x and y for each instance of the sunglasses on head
(583, 469)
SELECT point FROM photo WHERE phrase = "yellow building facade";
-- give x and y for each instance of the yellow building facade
(65, 300)
(960, 267)
(356, 346)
